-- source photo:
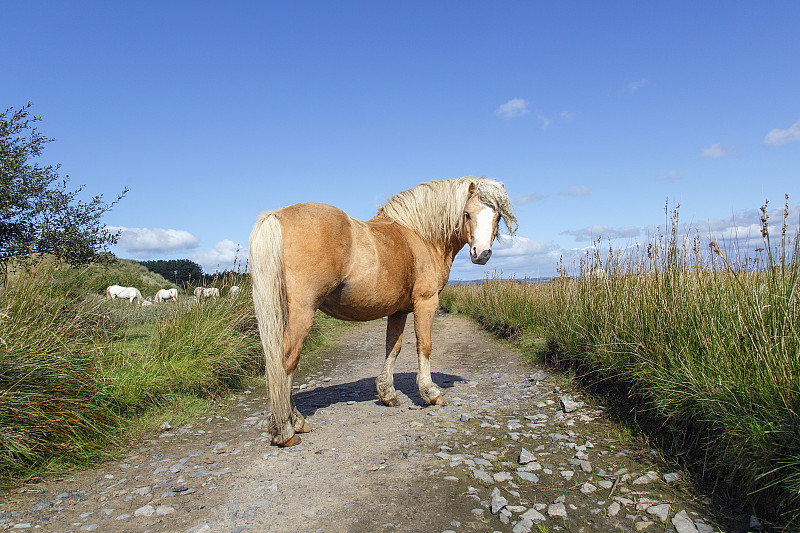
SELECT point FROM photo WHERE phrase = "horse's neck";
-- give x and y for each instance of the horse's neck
(446, 253)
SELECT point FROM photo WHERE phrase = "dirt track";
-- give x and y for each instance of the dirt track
(368, 467)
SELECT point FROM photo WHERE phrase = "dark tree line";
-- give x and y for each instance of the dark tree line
(182, 272)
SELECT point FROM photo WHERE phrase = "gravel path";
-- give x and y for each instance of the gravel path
(515, 450)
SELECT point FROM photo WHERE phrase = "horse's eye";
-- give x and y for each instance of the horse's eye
(467, 215)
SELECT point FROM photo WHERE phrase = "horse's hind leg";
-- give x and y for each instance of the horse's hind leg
(394, 341)
(286, 422)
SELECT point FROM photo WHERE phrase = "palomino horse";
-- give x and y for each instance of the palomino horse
(313, 256)
(166, 294)
(124, 293)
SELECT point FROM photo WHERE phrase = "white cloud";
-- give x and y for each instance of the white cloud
(636, 85)
(715, 151)
(221, 257)
(576, 191)
(516, 107)
(672, 175)
(604, 232)
(779, 137)
(146, 243)
(529, 198)
(544, 120)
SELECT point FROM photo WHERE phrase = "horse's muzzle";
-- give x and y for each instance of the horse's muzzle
(482, 258)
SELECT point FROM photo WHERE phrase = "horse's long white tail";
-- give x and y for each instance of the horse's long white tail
(271, 306)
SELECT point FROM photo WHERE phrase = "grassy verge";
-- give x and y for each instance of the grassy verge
(79, 374)
(706, 346)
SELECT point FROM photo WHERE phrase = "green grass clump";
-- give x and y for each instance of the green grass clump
(78, 373)
(203, 349)
(707, 344)
(53, 406)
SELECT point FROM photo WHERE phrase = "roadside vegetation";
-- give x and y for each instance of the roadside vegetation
(80, 375)
(702, 346)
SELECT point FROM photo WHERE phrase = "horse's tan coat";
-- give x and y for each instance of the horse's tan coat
(318, 257)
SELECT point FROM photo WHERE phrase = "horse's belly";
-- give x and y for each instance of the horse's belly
(347, 303)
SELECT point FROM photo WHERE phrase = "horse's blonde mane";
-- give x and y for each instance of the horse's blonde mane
(435, 209)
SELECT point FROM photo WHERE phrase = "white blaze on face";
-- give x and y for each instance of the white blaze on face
(484, 231)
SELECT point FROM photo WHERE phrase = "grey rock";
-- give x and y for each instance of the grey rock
(145, 510)
(614, 509)
(538, 376)
(523, 526)
(533, 515)
(683, 524)
(501, 477)
(672, 477)
(660, 511)
(649, 477)
(557, 510)
(199, 528)
(525, 457)
(528, 476)
(482, 475)
(498, 501)
(568, 405)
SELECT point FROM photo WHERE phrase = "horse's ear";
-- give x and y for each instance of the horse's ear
(472, 188)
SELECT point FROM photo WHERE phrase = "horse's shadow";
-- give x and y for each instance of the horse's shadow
(363, 390)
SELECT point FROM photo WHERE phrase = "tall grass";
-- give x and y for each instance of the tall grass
(202, 349)
(53, 406)
(77, 371)
(706, 343)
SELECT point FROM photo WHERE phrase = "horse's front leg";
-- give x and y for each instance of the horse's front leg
(423, 323)
(395, 325)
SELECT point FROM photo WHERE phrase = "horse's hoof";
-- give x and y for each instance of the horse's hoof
(292, 441)
(391, 402)
(304, 429)
(439, 400)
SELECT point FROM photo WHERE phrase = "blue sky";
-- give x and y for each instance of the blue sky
(595, 115)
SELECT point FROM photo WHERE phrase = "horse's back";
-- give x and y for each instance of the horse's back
(350, 269)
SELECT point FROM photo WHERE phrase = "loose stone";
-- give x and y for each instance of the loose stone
(500, 477)
(146, 510)
(482, 475)
(498, 501)
(526, 457)
(523, 526)
(683, 524)
(659, 511)
(533, 515)
(649, 477)
(557, 509)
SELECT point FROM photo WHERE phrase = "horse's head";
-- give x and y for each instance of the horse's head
(487, 204)
(480, 227)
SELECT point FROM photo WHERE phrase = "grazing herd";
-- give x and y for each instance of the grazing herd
(132, 294)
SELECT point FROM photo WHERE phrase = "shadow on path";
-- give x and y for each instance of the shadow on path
(363, 390)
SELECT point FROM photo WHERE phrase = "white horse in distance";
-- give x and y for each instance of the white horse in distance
(124, 293)
(166, 294)
(234, 290)
(203, 293)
